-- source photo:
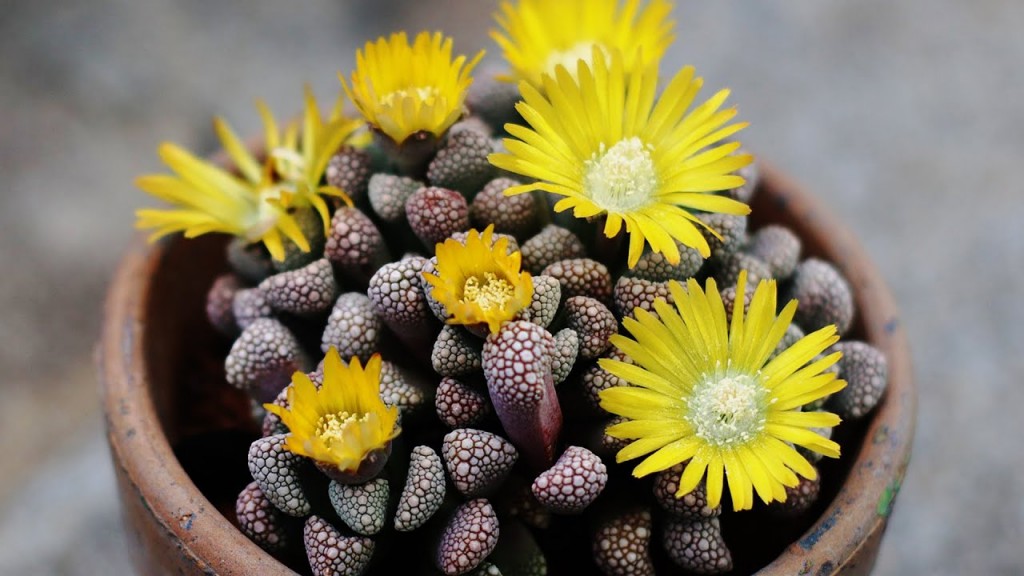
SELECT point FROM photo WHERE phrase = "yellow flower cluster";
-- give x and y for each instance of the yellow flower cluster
(598, 134)
(706, 390)
(399, 89)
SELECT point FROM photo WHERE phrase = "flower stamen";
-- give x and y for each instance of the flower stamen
(425, 94)
(333, 428)
(257, 201)
(479, 281)
(288, 163)
(492, 294)
(652, 166)
(623, 177)
(568, 58)
(730, 410)
(535, 38)
(741, 414)
(404, 88)
(344, 421)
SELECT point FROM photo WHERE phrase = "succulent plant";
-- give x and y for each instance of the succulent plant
(477, 461)
(448, 290)
(362, 507)
(825, 297)
(493, 390)
(424, 490)
(470, 536)
(573, 483)
(622, 544)
(261, 520)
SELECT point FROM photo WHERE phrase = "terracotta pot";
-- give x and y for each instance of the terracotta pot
(178, 435)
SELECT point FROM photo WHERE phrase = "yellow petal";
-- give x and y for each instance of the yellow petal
(244, 161)
(668, 456)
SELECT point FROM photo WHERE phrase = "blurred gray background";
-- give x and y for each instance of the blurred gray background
(905, 116)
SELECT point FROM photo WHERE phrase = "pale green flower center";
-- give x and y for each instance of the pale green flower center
(289, 164)
(622, 178)
(267, 211)
(570, 57)
(425, 94)
(728, 410)
(333, 428)
(492, 293)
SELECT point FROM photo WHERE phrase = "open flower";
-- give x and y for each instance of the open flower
(301, 156)
(401, 89)
(536, 39)
(706, 392)
(605, 143)
(343, 422)
(479, 281)
(256, 203)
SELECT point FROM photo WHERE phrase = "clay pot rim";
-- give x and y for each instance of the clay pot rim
(855, 518)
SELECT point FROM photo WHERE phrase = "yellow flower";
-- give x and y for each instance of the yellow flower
(705, 391)
(607, 145)
(301, 157)
(402, 89)
(256, 203)
(539, 35)
(345, 420)
(479, 281)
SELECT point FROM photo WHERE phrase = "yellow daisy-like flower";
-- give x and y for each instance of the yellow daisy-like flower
(706, 392)
(345, 420)
(402, 89)
(537, 37)
(609, 146)
(256, 203)
(300, 158)
(479, 281)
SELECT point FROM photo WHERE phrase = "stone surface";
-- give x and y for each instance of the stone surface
(899, 159)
